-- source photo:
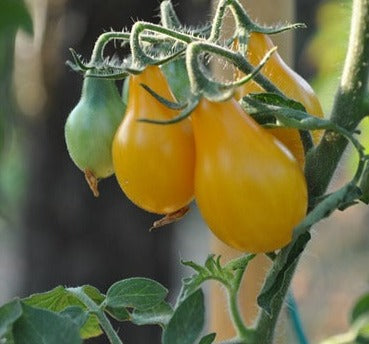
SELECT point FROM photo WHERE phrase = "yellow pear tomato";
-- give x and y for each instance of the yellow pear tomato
(153, 163)
(249, 188)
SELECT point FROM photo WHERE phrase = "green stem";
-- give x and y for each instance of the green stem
(95, 309)
(218, 20)
(241, 17)
(244, 333)
(97, 53)
(266, 323)
(139, 58)
(349, 106)
(197, 48)
(105, 38)
(168, 16)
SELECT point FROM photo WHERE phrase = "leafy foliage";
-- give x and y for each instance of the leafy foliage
(77, 312)
(64, 315)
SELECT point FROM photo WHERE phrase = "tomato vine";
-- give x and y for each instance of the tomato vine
(234, 135)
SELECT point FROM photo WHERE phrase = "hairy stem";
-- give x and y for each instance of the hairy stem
(246, 334)
(218, 20)
(97, 53)
(349, 106)
(243, 332)
(95, 309)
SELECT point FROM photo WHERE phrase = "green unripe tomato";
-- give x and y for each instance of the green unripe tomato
(90, 129)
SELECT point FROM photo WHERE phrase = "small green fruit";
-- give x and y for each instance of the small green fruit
(90, 129)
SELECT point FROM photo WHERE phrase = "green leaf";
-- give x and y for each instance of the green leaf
(14, 14)
(76, 314)
(284, 263)
(203, 274)
(282, 268)
(118, 313)
(272, 99)
(59, 299)
(361, 307)
(290, 114)
(187, 321)
(91, 328)
(208, 339)
(37, 326)
(55, 300)
(158, 315)
(9, 313)
(240, 263)
(94, 294)
(139, 293)
(212, 270)
(87, 323)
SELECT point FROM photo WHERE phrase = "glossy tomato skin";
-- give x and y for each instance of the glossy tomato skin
(249, 188)
(91, 126)
(290, 83)
(154, 164)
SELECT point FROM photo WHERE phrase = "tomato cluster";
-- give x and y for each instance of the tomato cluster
(247, 181)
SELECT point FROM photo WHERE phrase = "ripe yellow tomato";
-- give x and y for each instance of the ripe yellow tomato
(248, 186)
(289, 82)
(154, 164)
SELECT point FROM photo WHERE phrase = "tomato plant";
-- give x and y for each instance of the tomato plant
(250, 188)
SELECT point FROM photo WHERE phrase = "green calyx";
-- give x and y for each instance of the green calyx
(90, 129)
